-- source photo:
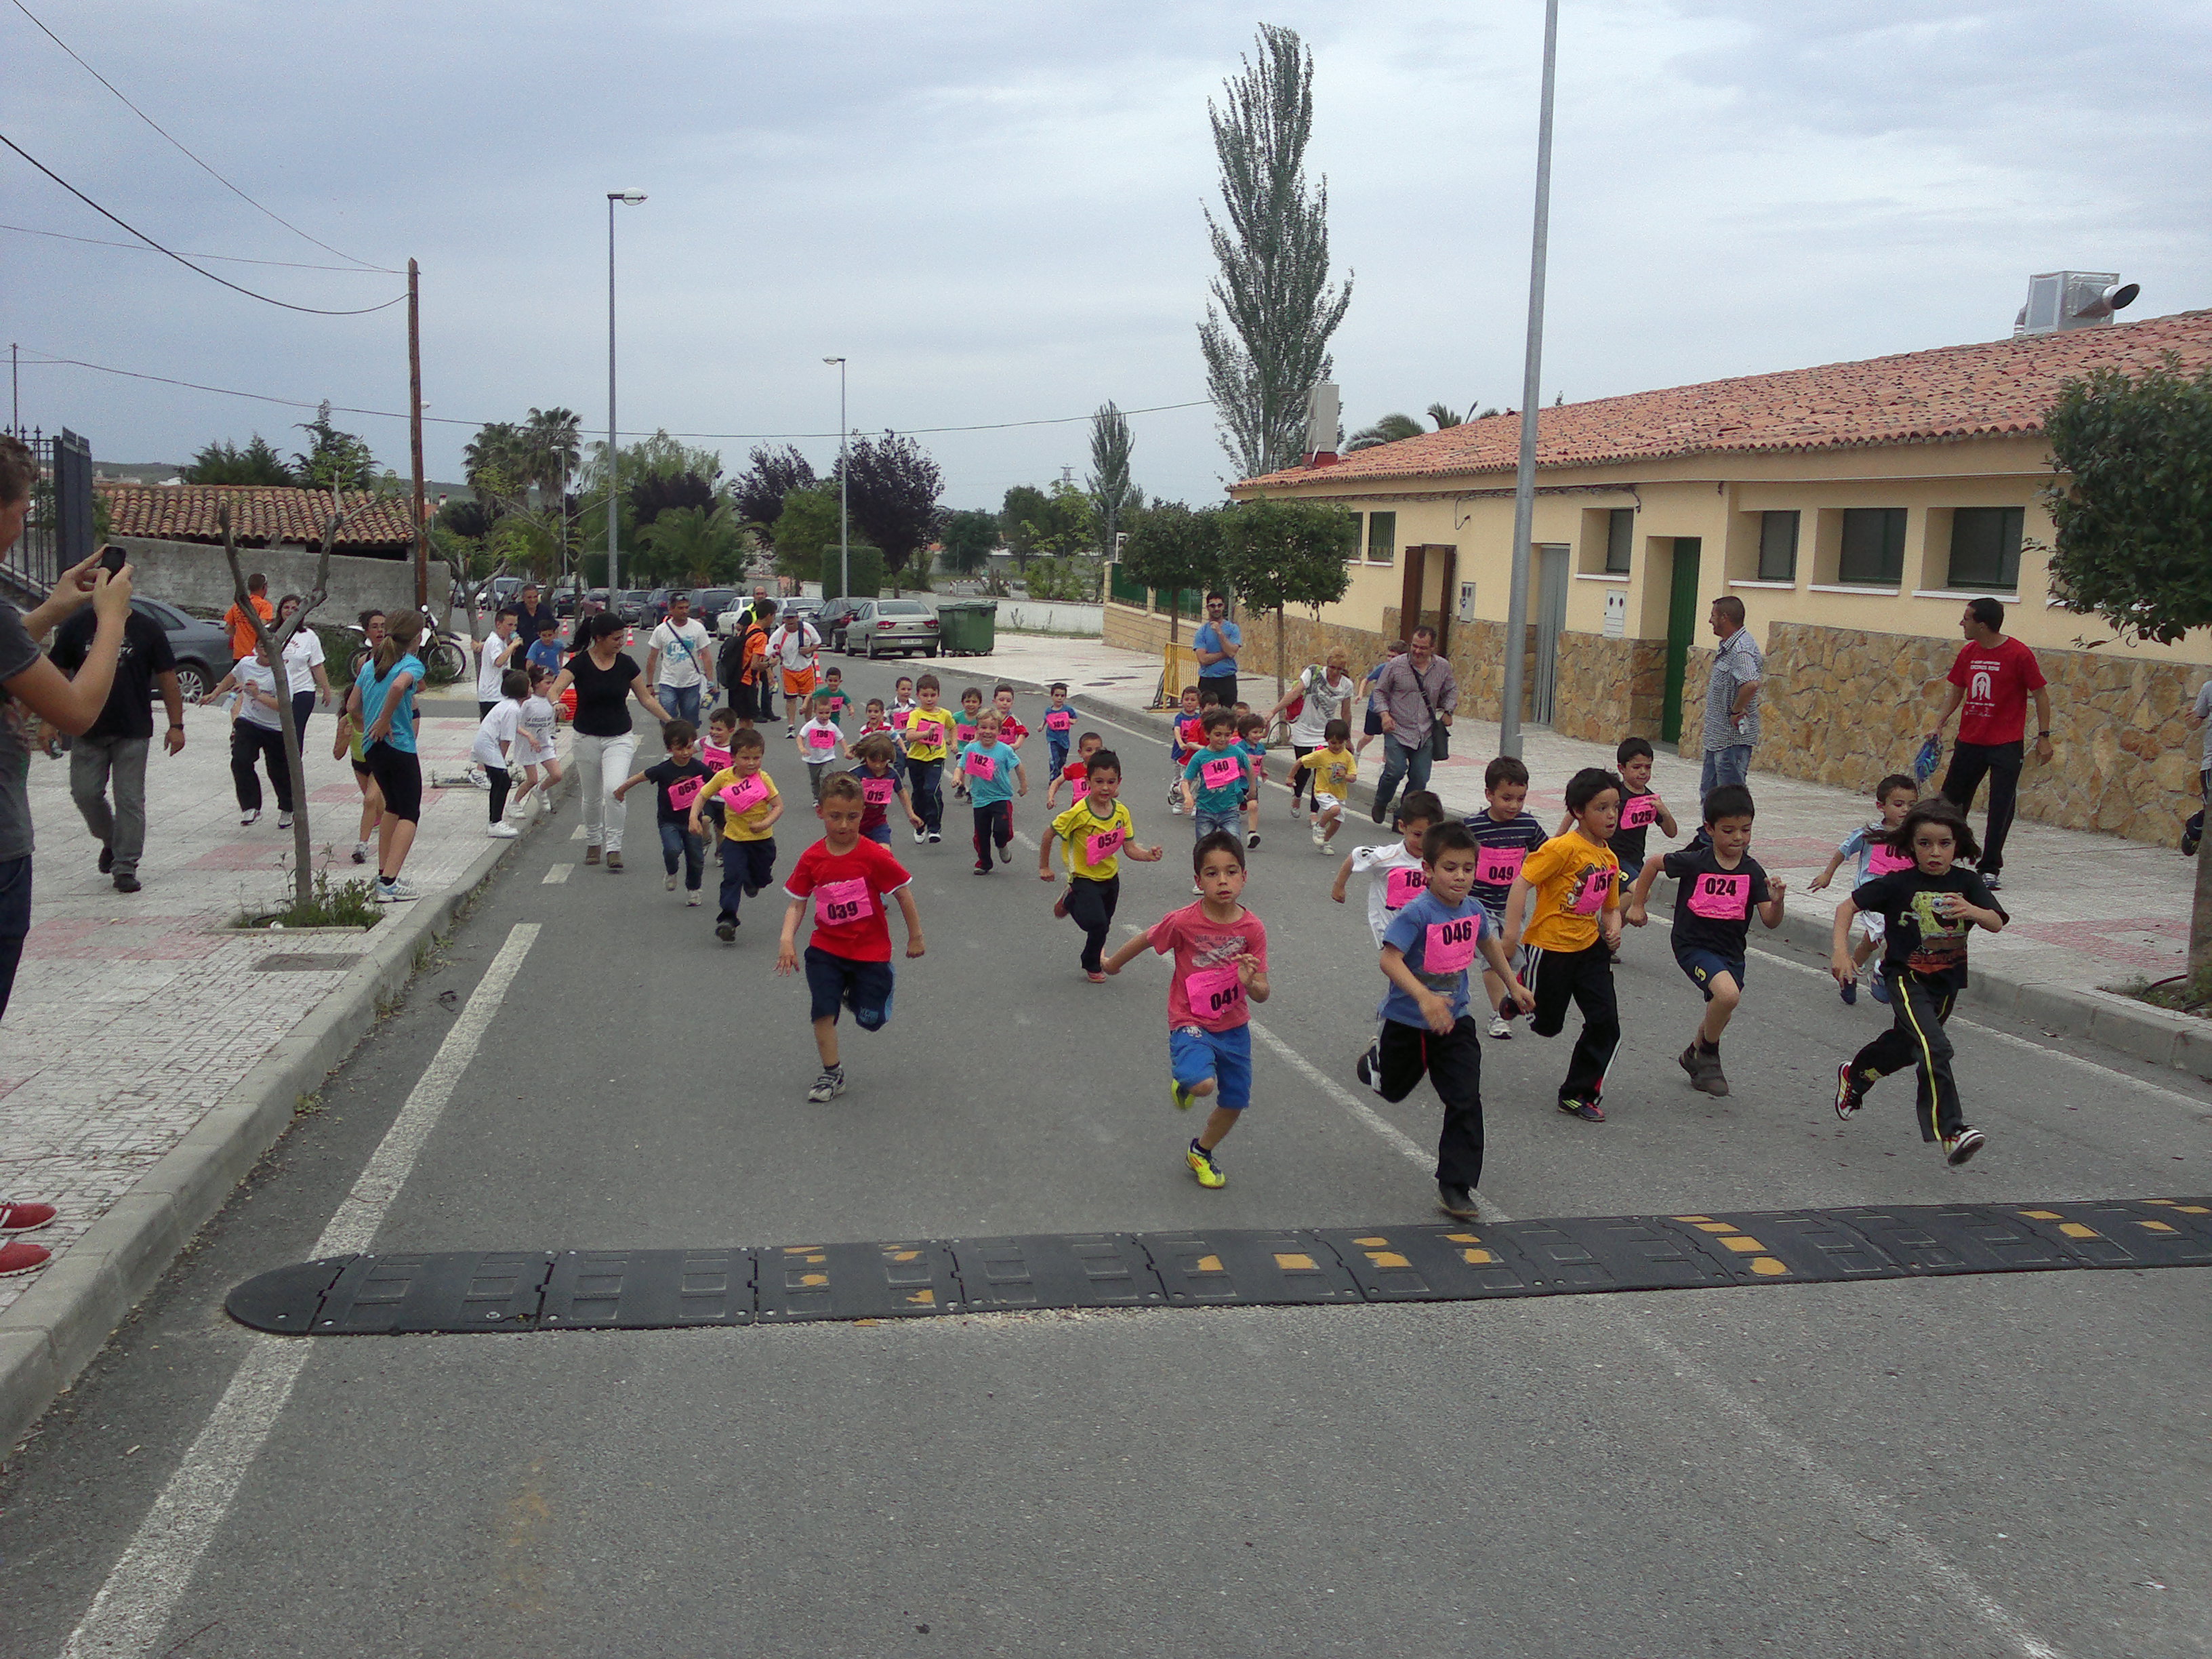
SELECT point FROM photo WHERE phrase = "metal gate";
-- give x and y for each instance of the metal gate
(58, 530)
(1551, 622)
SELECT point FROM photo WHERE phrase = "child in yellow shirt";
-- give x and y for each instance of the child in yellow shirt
(1333, 767)
(750, 807)
(1569, 892)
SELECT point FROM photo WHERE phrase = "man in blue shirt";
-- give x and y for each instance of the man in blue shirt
(1216, 645)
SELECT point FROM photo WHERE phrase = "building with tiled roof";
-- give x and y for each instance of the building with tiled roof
(262, 515)
(1852, 508)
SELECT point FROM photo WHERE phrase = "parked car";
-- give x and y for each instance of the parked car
(881, 626)
(564, 600)
(709, 604)
(656, 605)
(629, 604)
(202, 648)
(829, 621)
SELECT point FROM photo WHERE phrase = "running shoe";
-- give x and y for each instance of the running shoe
(670, 884)
(1456, 1202)
(1705, 1071)
(1251, 838)
(1880, 989)
(24, 1217)
(591, 855)
(1368, 1068)
(1501, 1027)
(505, 831)
(1960, 1148)
(1096, 978)
(125, 881)
(17, 1257)
(1006, 851)
(247, 820)
(1995, 883)
(1184, 1098)
(920, 836)
(361, 852)
(1849, 991)
(1589, 1110)
(394, 892)
(828, 1086)
(283, 820)
(1847, 1098)
(1203, 1166)
(934, 837)
(691, 897)
(727, 931)
(1320, 836)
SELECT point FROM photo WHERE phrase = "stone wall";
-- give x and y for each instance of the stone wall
(195, 576)
(1608, 690)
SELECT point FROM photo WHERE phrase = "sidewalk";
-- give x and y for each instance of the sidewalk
(2131, 922)
(134, 1015)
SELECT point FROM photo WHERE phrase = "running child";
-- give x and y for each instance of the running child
(902, 700)
(1640, 808)
(348, 743)
(1331, 767)
(714, 754)
(536, 753)
(833, 685)
(1874, 845)
(846, 877)
(820, 742)
(678, 782)
(874, 719)
(992, 771)
(1399, 875)
(1252, 739)
(1058, 721)
(544, 651)
(965, 728)
(493, 749)
(1507, 832)
(1012, 731)
(1426, 952)
(928, 741)
(1565, 907)
(1719, 885)
(1220, 968)
(751, 805)
(1927, 912)
(1075, 774)
(1215, 778)
(880, 788)
(1094, 836)
(1185, 734)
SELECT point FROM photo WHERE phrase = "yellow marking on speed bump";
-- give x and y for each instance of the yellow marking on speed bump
(2042, 1215)
(2156, 1227)
(1293, 1261)
(1477, 1257)
(1207, 1264)
(1464, 1238)
(1387, 1259)
(1744, 1244)
(1693, 1218)
(800, 1249)
(906, 1255)
(2076, 1230)
(923, 1298)
(2193, 1209)
(1717, 1226)
(1365, 1243)
(814, 1278)
(1767, 1267)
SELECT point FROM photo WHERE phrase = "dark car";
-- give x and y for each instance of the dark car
(629, 604)
(202, 648)
(656, 605)
(709, 604)
(829, 622)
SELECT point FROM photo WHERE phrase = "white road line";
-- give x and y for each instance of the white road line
(577, 834)
(555, 873)
(1396, 1139)
(134, 1606)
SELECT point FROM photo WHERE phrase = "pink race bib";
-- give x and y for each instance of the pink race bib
(1886, 860)
(683, 792)
(821, 740)
(1096, 848)
(1590, 897)
(1641, 811)
(1058, 720)
(745, 793)
(1449, 946)
(877, 792)
(1220, 774)
(964, 734)
(1720, 898)
(1496, 866)
(1402, 886)
(716, 759)
(1214, 992)
(978, 764)
(899, 718)
(836, 902)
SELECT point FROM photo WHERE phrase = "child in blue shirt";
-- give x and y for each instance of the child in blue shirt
(1215, 778)
(993, 775)
(1427, 950)
(544, 651)
(1059, 726)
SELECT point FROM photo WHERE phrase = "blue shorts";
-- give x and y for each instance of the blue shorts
(863, 987)
(1196, 1054)
(1204, 823)
(1630, 869)
(1701, 965)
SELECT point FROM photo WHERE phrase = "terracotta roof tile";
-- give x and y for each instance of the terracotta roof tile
(1999, 386)
(261, 515)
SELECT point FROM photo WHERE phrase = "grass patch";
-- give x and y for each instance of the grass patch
(2182, 994)
(349, 903)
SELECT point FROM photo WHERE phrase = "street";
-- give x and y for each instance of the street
(2003, 1465)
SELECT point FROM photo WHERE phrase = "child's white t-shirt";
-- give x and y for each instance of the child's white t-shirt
(496, 727)
(534, 745)
(1382, 862)
(817, 753)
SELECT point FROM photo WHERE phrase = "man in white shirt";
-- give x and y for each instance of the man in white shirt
(792, 648)
(492, 657)
(676, 660)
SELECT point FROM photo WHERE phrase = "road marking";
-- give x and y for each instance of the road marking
(577, 834)
(556, 873)
(143, 1588)
(1396, 1139)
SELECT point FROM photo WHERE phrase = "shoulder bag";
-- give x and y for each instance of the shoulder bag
(1440, 734)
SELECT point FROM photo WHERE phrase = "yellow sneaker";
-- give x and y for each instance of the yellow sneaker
(1203, 1166)
(1184, 1098)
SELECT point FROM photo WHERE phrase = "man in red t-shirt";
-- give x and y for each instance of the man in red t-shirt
(1993, 677)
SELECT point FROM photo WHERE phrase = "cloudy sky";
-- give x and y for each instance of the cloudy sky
(993, 210)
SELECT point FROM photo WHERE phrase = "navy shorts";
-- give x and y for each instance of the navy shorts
(1373, 724)
(863, 987)
(1196, 1054)
(1701, 965)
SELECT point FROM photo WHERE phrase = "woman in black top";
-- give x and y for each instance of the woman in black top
(605, 679)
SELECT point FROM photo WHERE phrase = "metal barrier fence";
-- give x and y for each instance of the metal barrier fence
(58, 530)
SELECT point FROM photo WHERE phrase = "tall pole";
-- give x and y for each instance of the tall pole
(613, 516)
(844, 482)
(1524, 477)
(415, 433)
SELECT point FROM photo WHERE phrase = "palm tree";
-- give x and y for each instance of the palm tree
(1387, 430)
(554, 440)
(1444, 415)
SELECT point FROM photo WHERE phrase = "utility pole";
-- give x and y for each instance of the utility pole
(844, 517)
(628, 198)
(1524, 477)
(414, 431)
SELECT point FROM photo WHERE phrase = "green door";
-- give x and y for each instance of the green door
(1681, 632)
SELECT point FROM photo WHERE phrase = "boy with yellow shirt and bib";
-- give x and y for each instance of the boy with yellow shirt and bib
(1094, 836)
(1568, 892)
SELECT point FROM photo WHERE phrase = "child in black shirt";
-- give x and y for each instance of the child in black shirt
(1927, 913)
(1718, 884)
(676, 783)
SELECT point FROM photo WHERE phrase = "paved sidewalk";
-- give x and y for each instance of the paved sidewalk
(134, 1014)
(2089, 909)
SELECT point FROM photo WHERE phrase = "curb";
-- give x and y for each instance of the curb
(55, 1328)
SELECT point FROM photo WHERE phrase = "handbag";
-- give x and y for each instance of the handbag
(1439, 735)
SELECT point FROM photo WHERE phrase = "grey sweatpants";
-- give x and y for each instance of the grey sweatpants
(93, 761)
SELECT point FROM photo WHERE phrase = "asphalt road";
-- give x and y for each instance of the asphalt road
(2011, 1465)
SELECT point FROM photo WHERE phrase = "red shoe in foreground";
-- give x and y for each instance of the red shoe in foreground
(24, 1217)
(17, 1257)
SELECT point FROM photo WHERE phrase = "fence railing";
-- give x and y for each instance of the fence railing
(58, 530)
(1190, 602)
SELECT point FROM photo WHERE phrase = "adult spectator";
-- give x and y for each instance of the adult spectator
(1731, 698)
(745, 667)
(71, 702)
(605, 678)
(792, 648)
(1418, 692)
(1216, 645)
(676, 660)
(1993, 676)
(762, 610)
(111, 754)
(506, 647)
(2199, 716)
(258, 733)
(304, 672)
(529, 613)
(1328, 691)
(242, 636)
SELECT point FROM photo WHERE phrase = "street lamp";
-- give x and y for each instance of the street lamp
(844, 520)
(628, 198)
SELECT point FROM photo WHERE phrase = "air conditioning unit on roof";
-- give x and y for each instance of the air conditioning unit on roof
(2059, 301)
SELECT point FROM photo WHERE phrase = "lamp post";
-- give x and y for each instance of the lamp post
(628, 198)
(1524, 477)
(844, 518)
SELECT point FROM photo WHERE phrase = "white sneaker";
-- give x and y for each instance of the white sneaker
(247, 820)
(283, 820)
(1500, 1026)
(691, 897)
(361, 852)
(670, 884)
(394, 892)
(920, 836)
(502, 831)
(476, 778)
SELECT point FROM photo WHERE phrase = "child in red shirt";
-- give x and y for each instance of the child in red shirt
(1076, 773)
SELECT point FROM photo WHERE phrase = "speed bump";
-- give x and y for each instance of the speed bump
(649, 1289)
(904, 1281)
(1057, 1270)
(1246, 1268)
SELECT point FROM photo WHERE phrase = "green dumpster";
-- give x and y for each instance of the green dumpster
(967, 628)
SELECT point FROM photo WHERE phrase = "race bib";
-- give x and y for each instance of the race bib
(1496, 866)
(1192, 733)
(1078, 778)
(1214, 992)
(821, 740)
(979, 764)
(899, 718)
(1720, 898)
(1097, 849)
(1220, 774)
(716, 759)
(1641, 811)
(836, 902)
(926, 734)
(877, 792)
(683, 792)
(745, 793)
(964, 734)
(1886, 860)
(1590, 896)
(1058, 720)
(1400, 887)
(1449, 946)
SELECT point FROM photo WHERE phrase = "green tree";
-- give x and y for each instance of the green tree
(1171, 548)
(1113, 497)
(893, 487)
(1278, 553)
(1024, 509)
(224, 463)
(1267, 346)
(686, 546)
(806, 524)
(758, 492)
(1390, 429)
(969, 538)
(334, 460)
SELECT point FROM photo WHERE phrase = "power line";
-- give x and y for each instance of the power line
(316, 311)
(222, 258)
(179, 143)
